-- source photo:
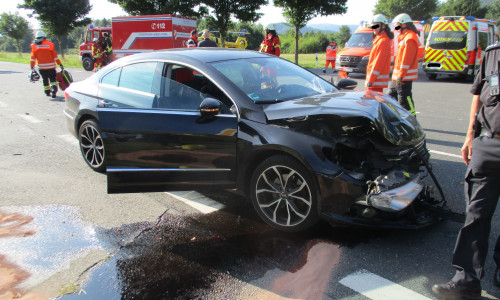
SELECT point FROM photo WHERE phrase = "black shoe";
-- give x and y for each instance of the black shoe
(496, 277)
(47, 93)
(453, 291)
(324, 70)
(53, 89)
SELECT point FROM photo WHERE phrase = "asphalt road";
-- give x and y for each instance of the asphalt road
(61, 232)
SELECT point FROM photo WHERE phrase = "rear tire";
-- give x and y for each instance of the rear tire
(284, 194)
(92, 145)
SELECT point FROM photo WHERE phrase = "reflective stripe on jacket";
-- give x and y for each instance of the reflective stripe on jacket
(406, 62)
(331, 52)
(379, 64)
(44, 54)
(271, 46)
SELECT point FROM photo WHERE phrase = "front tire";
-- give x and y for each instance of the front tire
(284, 194)
(88, 63)
(92, 145)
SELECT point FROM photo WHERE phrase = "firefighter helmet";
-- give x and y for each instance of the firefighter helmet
(33, 76)
(270, 27)
(402, 18)
(380, 18)
(40, 34)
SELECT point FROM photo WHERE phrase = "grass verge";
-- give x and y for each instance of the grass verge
(72, 60)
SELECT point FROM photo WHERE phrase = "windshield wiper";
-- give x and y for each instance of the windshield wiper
(268, 101)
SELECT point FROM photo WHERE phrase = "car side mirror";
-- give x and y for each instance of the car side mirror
(210, 107)
(347, 84)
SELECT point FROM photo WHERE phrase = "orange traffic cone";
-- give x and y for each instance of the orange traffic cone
(342, 73)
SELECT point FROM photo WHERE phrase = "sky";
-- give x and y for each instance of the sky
(357, 10)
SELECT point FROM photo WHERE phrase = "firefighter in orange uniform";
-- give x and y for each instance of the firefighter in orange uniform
(44, 54)
(406, 62)
(331, 56)
(98, 53)
(379, 64)
(271, 42)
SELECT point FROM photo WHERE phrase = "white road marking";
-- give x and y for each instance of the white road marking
(445, 153)
(197, 201)
(68, 138)
(2, 104)
(377, 288)
(29, 118)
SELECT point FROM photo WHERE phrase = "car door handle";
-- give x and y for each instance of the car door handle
(105, 103)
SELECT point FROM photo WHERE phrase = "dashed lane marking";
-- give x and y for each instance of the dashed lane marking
(197, 201)
(445, 153)
(375, 287)
(30, 119)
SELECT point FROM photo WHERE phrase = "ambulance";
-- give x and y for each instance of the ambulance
(353, 58)
(137, 34)
(456, 45)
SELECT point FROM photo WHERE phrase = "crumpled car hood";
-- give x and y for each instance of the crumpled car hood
(396, 125)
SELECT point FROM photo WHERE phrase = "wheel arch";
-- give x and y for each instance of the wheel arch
(251, 163)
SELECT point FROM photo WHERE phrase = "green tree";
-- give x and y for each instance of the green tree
(14, 26)
(418, 10)
(342, 36)
(221, 12)
(298, 12)
(155, 7)
(494, 11)
(462, 8)
(59, 17)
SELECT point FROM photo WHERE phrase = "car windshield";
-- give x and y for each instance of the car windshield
(361, 39)
(269, 80)
(448, 40)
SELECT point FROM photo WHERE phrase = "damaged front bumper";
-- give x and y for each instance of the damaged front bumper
(397, 200)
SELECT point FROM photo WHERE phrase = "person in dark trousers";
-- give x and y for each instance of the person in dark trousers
(405, 63)
(44, 54)
(207, 42)
(107, 48)
(481, 152)
(193, 39)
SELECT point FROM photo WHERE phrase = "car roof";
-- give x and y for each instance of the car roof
(206, 55)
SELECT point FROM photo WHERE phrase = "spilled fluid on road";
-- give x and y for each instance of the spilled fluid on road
(216, 256)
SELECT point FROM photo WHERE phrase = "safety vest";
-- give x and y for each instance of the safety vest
(271, 46)
(331, 52)
(97, 50)
(45, 55)
(406, 62)
(379, 64)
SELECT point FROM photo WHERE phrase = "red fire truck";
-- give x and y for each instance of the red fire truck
(137, 34)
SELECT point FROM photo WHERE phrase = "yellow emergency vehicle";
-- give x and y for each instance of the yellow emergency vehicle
(240, 42)
(456, 45)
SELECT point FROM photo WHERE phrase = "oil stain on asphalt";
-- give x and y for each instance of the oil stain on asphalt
(214, 256)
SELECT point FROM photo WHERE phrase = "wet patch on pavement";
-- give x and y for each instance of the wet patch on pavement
(41, 240)
(216, 255)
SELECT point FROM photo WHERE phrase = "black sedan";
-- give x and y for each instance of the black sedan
(296, 145)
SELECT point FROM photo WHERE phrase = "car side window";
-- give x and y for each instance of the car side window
(139, 76)
(112, 77)
(136, 85)
(185, 89)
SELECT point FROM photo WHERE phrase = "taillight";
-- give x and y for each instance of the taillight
(66, 95)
